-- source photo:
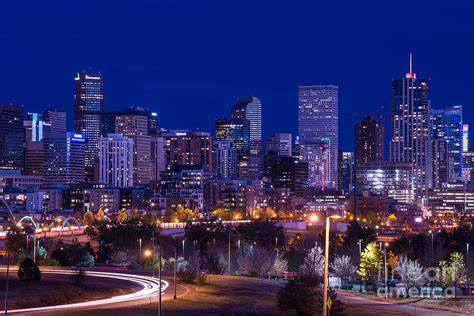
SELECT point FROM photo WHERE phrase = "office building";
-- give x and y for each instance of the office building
(287, 172)
(442, 167)
(135, 127)
(88, 108)
(465, 138)
(64, 157)
(116, 160)
(157, 157)
(224, 159)
(250, 108)
(318, 119)
(236, 131)
(447, 125)
(56, 119)
(279, 143)
(12, 137)
(411, 135)
(317, 155)
(394, 179)
(346, 171)
(14, 179)
(369, 141)
(186, 148)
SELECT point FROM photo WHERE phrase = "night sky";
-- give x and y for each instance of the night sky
(189, 60)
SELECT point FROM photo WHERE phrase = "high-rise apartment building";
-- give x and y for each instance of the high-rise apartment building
(280, 144)
(116, 160)
(135, 127)
(12, 137)
(224, 159)
(447, 125)
(88, 108)
(368, 141)
(318, 119)
(411, 127)
(64, 155)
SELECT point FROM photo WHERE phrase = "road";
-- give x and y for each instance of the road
(146, 291)
(349, 299)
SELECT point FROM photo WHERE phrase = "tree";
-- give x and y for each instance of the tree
(88, 217)
(410, 271)
(255, 261)
(121, 216)
(392, 262)
(99, 215)
(299, 297)
(371, 261)
(453, 270)
(343, 267)
(264, 233)
(183, 214)
(280, 265)
(356, 232)
(313, 263)
(28, 271)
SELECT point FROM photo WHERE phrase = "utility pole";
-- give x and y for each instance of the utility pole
(174, 276)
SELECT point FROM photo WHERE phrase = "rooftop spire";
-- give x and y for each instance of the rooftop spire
(411, 62)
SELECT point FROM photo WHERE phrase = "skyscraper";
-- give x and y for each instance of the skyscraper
(279, 143)
(368, 141)
(250, 108)
(135, 127)
(318, 119)
(346, 171)
(88, 107)
(36, 129)
(12, 137)
(157, 157)
(237, 131)
(447, 125)
(57, 120)
(465, 138)
(411, 128)
(64, 157)
(185, 148)
(441, 166)
(224, 158)
(116, 160)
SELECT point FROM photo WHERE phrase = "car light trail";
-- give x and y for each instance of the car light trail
(150, 289)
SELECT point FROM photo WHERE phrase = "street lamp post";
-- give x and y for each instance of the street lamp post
(386, 276)
(360, 258)
(326, 261)
(140, 247)
(468, 272)
(228, 255)
(6, 284)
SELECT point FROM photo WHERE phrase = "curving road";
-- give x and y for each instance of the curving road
(147, 292)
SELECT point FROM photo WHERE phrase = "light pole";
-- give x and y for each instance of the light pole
(326, 258)
(183, 247)
(228, 254)
(360, 259)
(386, 276)
(6, 284)
(140, 247)
(468, 271)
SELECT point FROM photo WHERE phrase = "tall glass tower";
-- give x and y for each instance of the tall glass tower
(448, 126)
(318, 119)
(411, 127)
(88, 107)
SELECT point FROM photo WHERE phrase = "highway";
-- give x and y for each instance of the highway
(147, 290)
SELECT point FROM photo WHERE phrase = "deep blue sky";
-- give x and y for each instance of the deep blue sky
(189, 60)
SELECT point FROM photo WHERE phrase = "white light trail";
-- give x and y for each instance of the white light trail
(150, 289)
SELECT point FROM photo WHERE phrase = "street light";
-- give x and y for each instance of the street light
(329, 215)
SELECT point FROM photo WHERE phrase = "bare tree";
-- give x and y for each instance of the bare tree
(313, 263)
(410, 271)
(343, 268)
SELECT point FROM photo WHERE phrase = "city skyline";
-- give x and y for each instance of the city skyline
(133, 77)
